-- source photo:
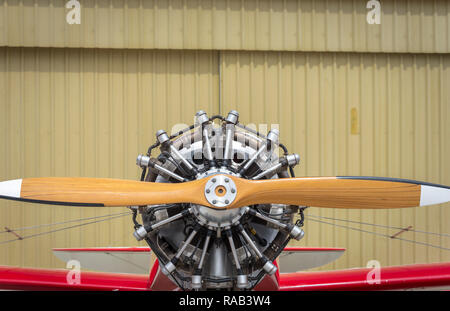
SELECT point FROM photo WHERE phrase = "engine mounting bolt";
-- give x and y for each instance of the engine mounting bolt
(227, 180)
(208, 191)
(214, 201)
(226, 201)
(213, 180)
(233, 190)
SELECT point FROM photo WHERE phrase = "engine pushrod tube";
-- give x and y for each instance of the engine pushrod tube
(171, 265)
(207, 149)
(170, 219)
(186, 242)
(170, 173)
(205, 247)
(228, 153)
(268, 171)
(253, 159)
(233, 250)
(266, 218)
(269, 267)
(250, 242)
(142, 231)
(183, 159)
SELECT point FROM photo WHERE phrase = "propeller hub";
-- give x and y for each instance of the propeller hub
(220, 191)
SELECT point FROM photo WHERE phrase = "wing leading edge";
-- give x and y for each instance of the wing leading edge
(15, 278)
(386, 278)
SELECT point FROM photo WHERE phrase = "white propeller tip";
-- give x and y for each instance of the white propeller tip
(430, 195)
(11, 188)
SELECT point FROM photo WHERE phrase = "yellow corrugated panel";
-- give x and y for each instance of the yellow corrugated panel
(401, 109)
(86, 112)
(419, 26)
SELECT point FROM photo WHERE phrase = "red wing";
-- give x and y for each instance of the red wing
(56, 279)
(398, 277)
(132, 249)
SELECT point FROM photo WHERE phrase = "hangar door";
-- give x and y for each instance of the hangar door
(87, 112)
(356, 114)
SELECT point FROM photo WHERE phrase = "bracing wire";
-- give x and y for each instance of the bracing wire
(65, 228)
(380, 226)
(380, 234)
(60, 223)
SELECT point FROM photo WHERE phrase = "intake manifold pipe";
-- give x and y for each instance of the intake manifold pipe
(171, 265)
(164, 140)
(230, 123)
(269, 267)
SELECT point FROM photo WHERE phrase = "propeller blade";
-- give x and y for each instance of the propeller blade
(100, 191)
(340, 192)
(333, 192)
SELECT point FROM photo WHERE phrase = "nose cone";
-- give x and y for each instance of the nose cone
(220, 190)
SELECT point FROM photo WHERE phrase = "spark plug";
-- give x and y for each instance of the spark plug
(142, 231)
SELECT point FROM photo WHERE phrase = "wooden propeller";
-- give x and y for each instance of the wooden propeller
(341, 192)
(100, 191)
(331, 192)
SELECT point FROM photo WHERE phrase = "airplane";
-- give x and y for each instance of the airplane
(218, 207)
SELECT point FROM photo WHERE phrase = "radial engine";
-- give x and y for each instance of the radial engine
(204, 248)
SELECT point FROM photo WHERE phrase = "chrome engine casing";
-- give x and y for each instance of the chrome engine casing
(219, 269)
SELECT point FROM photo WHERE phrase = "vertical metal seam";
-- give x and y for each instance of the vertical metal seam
(82, 131)
(414, 211)
(347, 58)
(38, 137)
(220, 64)
(440, 148)
(334, 240)
(373, 129)
(427, 113)
(360, 129)
(400, 123)
(23, 138)
(388, 125)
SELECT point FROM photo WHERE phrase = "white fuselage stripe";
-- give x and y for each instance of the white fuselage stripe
(11, 188)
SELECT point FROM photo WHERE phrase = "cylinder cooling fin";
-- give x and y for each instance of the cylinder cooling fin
(205, 248)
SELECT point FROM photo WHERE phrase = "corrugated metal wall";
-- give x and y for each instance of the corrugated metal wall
(85, 112)
(67, 109)
(402, 127)
(311, 25)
